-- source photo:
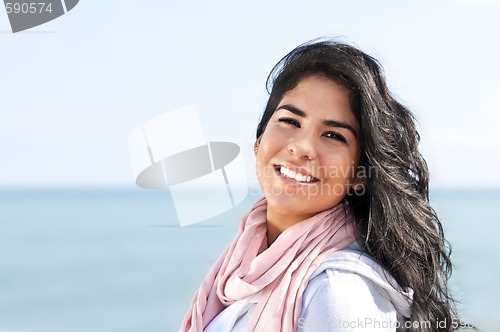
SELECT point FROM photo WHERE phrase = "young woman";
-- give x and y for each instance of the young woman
(344, 238)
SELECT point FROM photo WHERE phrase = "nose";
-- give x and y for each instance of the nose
(303, 147)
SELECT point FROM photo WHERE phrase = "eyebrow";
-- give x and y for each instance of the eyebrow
(330, 123)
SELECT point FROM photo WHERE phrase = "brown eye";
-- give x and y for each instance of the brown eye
(290, 121)
(335, 136)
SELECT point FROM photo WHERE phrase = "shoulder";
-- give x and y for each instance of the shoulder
(344, 290)
(350, 290)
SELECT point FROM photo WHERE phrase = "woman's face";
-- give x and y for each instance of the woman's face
(308, 152)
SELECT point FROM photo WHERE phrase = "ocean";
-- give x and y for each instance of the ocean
(116, 259)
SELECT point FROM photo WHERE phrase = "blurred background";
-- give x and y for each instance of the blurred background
(83, 249)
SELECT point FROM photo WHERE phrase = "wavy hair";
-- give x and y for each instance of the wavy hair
(395, 223)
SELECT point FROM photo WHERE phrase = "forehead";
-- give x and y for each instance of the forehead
(321, 97)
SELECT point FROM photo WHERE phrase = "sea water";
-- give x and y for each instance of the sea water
(116, 259)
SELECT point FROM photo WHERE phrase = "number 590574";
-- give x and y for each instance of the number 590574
(28, 7)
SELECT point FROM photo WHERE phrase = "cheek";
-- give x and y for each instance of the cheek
(340, 169)
(272, 141)
(262, 163)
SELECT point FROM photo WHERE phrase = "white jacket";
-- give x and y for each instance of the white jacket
(349, 292)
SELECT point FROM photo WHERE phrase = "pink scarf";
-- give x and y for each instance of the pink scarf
(281, 272)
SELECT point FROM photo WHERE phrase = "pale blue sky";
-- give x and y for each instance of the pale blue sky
(73, 89)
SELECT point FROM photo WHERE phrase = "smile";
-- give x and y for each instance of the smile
(294, 175)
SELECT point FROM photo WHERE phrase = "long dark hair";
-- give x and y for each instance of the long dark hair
(394, 221)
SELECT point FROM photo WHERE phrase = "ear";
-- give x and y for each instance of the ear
(256, 145)
(359, 179)
(358, 184)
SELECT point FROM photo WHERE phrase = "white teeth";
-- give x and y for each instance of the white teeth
(294, 175)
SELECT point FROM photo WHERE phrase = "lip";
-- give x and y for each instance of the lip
(300, 170)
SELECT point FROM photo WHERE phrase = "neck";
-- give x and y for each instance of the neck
(278, 223)
(273, 231)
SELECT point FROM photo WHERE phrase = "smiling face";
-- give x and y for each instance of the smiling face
(307, 155)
